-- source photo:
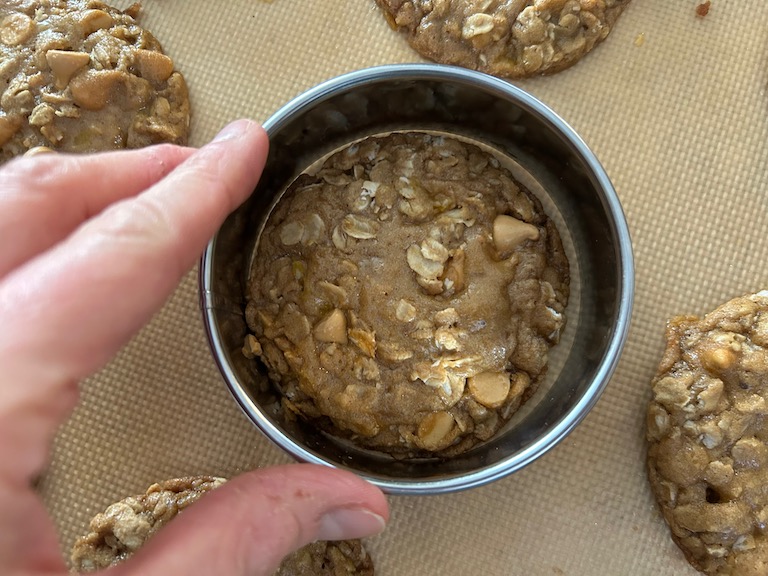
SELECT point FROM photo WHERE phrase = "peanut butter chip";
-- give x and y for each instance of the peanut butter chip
(332, 328)
(154, 66)
(509, 233)
(489, 388)
(93, 20)
(435, 430)
(93, 90)
(15, 29)
(64, 63)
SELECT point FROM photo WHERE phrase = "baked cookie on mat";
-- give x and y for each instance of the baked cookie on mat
(342, 558)
(707, 430)
(125, 526)
(508, 38)
(80, 76)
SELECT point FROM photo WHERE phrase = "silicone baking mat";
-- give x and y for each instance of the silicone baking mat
(675, 107)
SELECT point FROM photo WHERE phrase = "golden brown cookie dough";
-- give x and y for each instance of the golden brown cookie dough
(707, 433)
(80, 76)
(125, 526)
(342, 558)
(509, 38)
(406, 296)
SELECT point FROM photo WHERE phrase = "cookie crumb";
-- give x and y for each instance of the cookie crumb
(703, 9)
(389, 220)
(516, 39)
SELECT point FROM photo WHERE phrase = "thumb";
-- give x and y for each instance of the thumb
(247, 526)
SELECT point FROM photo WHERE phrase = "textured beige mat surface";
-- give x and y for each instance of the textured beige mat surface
(679, 122)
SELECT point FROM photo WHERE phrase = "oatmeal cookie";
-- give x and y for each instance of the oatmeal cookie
(342, 558)
(707, 434)
(125, 526)
(80, 76)
(407, 294)
(509, 38)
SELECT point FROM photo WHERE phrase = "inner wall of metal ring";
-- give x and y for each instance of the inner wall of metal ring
(427, 104)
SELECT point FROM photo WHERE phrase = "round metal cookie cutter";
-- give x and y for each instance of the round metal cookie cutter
(544, 153)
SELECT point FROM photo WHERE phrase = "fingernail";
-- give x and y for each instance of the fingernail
(349, 523)
(232, 131)
(38, 150)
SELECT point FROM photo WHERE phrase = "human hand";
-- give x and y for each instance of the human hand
(76, 234)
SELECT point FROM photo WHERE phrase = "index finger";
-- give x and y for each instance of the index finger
(69, 310)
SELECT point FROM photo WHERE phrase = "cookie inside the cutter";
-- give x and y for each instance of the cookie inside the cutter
(405, 296)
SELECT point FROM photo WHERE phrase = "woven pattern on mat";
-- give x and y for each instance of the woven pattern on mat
(675, 107)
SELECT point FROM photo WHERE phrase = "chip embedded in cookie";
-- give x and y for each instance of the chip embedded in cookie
(708, 436)
(509, 38)
(80, 76)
